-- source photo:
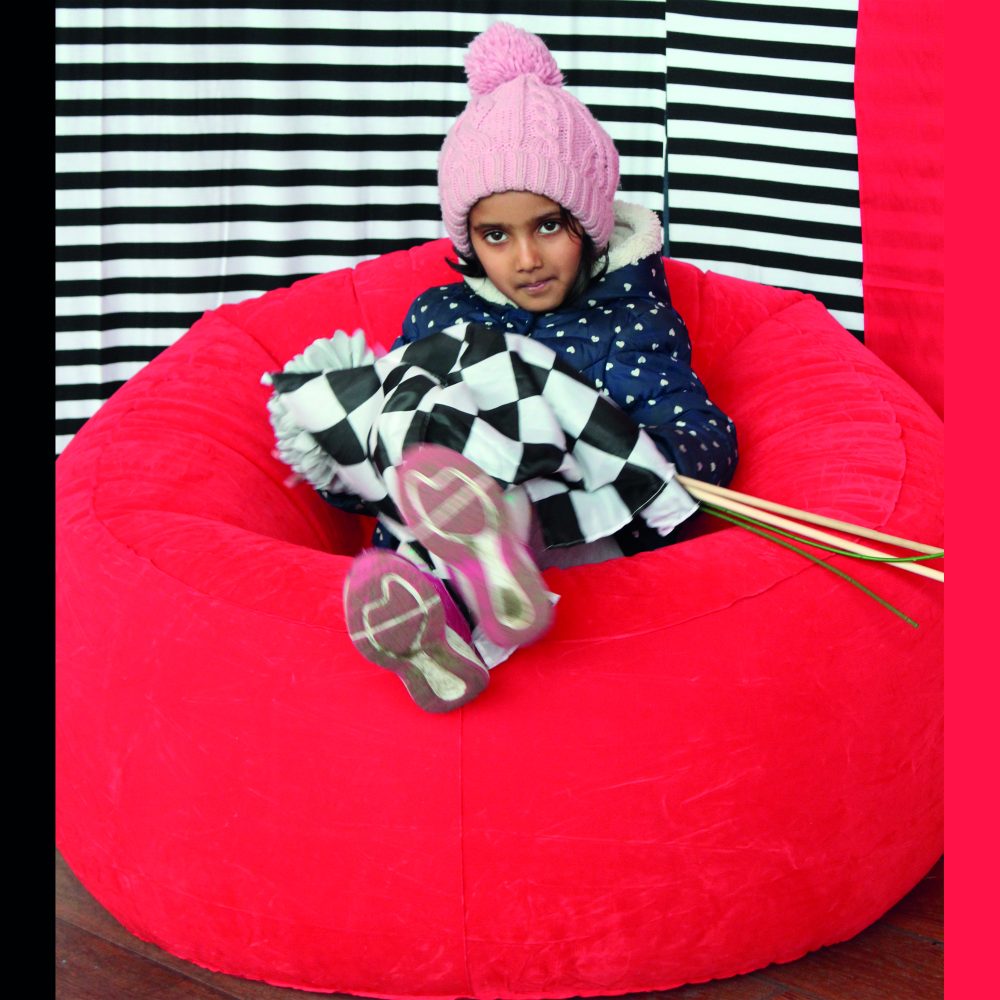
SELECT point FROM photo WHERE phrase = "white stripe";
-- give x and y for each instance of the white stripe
(642, 166)
(91, 340)
(76, 409)
(278, 54)
(732, 205)
(139, 197)
(851, 5)
(794, 69)
(145, 125)
(319, 125)
(770, 242)
(759, 100)
(786, 173)
(238, 159)
(325, 55)
(782, 138)
(623, 97)
(768, 31)
(781, 278)
(147, 302)
(401, 21)
(323, 90)
(848, 320)
(197, 267)
(96, 374)
(275, 232)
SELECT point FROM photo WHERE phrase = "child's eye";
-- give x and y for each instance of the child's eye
(495, 236)
(550, 226)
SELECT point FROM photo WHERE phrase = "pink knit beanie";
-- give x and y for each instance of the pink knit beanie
(521, 131)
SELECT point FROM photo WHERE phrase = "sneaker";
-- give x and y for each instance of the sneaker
(404, 620)
(458, 513)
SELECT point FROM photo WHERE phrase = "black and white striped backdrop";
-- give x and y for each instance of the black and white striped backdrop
(762, 151)
(208, 154)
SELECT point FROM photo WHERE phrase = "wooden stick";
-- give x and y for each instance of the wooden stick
(695, 488)
(803, 515)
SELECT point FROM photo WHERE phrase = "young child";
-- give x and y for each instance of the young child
(510, 456)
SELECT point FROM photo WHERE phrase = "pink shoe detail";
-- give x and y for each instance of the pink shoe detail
(459, 513)
(404, 620)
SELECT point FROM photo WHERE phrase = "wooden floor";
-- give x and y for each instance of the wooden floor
(899, 958)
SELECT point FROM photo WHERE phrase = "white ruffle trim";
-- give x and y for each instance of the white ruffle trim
(296, 447)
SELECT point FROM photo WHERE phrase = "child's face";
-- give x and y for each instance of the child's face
(525, 248)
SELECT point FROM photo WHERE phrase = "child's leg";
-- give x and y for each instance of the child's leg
(404, 620)
(459, 513)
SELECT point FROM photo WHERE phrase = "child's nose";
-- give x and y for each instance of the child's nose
(528, 257)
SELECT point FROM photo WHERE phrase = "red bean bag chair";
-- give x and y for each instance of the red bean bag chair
(722, 756)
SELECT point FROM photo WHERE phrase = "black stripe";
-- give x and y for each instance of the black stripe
(836, 89)
(765, 189)
(348, 73)
(631, 9)
(207, 285)
(280, 107)
(368, 37)
(779, 14)
(843, 54)
(641, 183)
(766, 224)
(289, 142)
(128, 320)
(92, 390)
(123, 179)
(210, 249)
(631, 114)
(162, 215)
(766, 258)
(843, 303)
(824, 124)
(69, 426)
(107, 355)
(293, 107)
(764, 154)
(188, 142)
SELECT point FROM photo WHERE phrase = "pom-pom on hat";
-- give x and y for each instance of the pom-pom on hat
(522, 131)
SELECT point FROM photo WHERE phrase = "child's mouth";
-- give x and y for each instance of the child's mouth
(538, 286)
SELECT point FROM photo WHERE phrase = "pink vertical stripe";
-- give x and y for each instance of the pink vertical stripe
(899, 96)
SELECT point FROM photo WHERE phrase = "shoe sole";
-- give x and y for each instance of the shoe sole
(396, 619)
(458, 512)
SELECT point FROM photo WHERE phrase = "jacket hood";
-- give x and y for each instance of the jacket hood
(637, 234)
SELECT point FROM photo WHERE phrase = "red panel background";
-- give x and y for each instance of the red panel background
(899, 97)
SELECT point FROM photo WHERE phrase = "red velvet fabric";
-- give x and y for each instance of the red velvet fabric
(721, 757)
(899, 106)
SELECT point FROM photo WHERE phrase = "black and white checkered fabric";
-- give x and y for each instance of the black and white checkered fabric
(506, 402)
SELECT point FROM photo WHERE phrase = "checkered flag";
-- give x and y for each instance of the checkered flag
(506, 402)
